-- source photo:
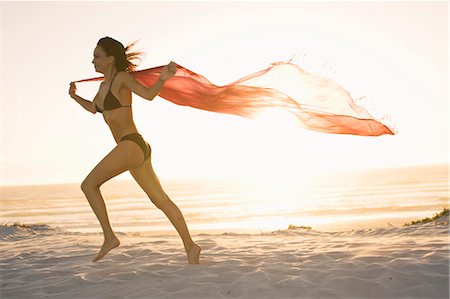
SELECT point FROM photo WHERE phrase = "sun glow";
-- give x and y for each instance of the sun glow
(76, 141)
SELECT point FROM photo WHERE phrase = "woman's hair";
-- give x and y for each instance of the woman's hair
(125, 60)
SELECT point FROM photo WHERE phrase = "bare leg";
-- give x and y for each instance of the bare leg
(98, 206)
(120, 159)
(147, 179)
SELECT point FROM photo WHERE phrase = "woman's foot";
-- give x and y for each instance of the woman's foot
(107, 246)
(193, 254)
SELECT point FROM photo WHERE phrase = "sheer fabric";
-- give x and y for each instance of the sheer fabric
(318, 103)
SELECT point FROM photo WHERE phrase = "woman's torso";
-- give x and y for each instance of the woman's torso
(119, 120)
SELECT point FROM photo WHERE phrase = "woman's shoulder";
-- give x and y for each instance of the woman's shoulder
(123, 79)
(123, 76)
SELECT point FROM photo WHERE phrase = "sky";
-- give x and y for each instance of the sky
(393, 53)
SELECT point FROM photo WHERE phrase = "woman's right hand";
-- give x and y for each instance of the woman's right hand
(72, 89)
(168, 71)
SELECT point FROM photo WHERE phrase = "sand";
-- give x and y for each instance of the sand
(396, 262)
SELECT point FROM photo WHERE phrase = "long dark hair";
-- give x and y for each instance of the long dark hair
(124, 58)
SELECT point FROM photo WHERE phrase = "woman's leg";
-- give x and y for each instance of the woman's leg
(123, 157)
(147, 179)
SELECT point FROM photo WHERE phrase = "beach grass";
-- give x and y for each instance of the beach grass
(436, 216)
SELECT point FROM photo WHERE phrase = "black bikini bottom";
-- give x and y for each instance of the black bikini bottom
(137, 138)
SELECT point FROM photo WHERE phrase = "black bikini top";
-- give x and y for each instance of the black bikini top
(110, 102)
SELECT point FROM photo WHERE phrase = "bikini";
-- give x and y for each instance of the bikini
(110, 103)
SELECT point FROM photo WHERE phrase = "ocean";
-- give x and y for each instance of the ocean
(338, 202)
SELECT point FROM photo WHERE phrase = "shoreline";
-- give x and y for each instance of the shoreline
(331, 227)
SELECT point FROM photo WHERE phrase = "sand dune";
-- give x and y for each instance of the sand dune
(399, 262)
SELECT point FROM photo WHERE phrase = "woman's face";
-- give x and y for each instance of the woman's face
(101, 61)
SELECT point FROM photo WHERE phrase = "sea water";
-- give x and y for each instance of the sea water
(342, 201)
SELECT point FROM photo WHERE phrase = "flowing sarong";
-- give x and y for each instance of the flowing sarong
(318, 103)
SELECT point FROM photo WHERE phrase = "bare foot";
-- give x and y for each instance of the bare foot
(107, 246)
(193, 254)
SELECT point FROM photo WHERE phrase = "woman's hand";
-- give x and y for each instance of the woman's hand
(72, 89)
(168, 71)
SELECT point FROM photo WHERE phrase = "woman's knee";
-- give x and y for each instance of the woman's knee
(88, 185)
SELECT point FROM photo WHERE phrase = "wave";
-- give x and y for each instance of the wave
(18, 231)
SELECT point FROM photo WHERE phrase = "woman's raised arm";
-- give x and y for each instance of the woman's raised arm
(151, 92)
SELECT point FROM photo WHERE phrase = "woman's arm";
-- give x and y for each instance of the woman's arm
(151, 92)
(88, 105)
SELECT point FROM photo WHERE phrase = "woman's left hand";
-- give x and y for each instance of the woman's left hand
(168, 71)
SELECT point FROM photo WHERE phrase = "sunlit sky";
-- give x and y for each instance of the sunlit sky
(394, 53)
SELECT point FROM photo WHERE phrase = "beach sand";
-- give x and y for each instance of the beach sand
(395, 262)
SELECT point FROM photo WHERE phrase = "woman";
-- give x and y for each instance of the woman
(132, 153)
